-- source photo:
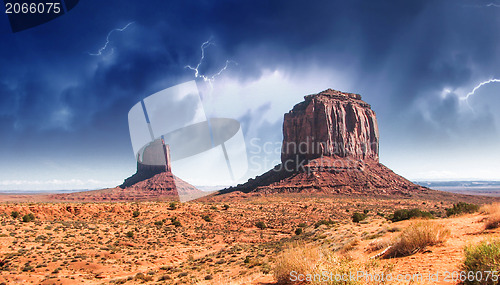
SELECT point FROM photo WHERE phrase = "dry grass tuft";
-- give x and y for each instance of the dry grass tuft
(493, 212)
(378, 244)
(298, 258)
(316, 261)
(417, 237)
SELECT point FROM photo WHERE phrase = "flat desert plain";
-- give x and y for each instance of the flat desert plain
(232, 239)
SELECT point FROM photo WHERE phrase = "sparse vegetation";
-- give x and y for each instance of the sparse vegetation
(261, 225)
(323, 222)
(173, 206)
(314, 260)
(159, 223)
(404, 214)
(482, 257)
(14, 214)
(176, 222)
(244, 243)
(28, 218)
(226, 207)
(416, 237)
(493, 219)
(136, 214)
(462, 208)
(358, 217)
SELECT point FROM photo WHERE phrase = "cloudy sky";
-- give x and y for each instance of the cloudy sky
(66, 86)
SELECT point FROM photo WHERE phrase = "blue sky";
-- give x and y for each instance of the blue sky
(63, 109)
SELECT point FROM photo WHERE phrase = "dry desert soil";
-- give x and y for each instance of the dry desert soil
(237, 240)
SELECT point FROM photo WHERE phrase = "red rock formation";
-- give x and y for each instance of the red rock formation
(331, 123)
(330, 146)
(163, 186)
(150, 182)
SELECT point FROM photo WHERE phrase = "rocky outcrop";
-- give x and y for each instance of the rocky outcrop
(330, 146)
(152, 181)
(330, 123)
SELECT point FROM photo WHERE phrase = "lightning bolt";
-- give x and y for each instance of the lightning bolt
(466, 98)
(103, 48)
(495, 5)
(196, 69)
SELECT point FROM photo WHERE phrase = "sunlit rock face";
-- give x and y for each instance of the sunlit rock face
(330, 123)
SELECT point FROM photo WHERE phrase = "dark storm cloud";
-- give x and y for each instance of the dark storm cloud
(411, 40)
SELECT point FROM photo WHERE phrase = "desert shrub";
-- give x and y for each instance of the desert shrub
(159, 223)
(207, 218)
(404, 214)
(175, 222)
(130, 234)
(208, 277)
(28, 218)
(15, 214)
(324, 222)
(226, 206)
(261, 225)
(213, 207)
(366, 211)
(350, 245)
(302, 225)
(143, 277)
(298, 231)
(462, 208)
(378, 244)
(136, 214)
(313, 260)
(358, 217)
(172, 206)
(416, 237)
(164, 277)
(301, 259)
(493, 219)
(481, 257)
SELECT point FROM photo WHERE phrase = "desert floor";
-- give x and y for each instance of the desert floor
(212, 242)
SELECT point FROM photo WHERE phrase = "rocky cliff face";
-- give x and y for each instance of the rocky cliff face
(331, 123)
(331, 140)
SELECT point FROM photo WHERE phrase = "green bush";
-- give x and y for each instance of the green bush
(298, 231)
(404, 214)
(172, 206)
(207, 218)
(135, 214)
(130, 234)
(28, 218)
(358, 217)
(261, 225)
(462, 208)
(324, 222)
(226, 206)
(482, 257)
(176, 222)
(14, 214)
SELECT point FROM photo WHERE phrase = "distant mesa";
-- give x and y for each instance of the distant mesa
(152, 181)
(330, 146)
